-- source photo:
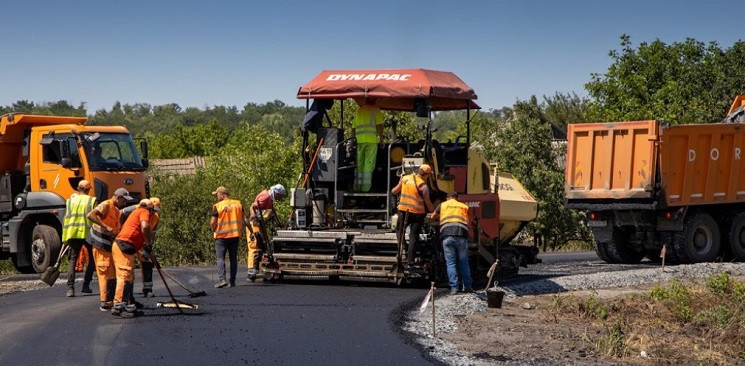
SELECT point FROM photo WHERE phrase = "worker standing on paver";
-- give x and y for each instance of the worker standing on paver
(106, 226)
(367, 128)
(261, 209)
(413, 206)
(145, 265)
(135, 236)
(74, 231)
(454, 219)
(227, 225)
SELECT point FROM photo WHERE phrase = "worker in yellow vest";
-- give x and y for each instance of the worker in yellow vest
(74, 231)
(413, 205)
(367, 128)
(227, 224)
(454, 219)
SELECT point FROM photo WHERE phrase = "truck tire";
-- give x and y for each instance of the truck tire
(736, 237)
(618, 251)
(45, 247)
(699, 241)
(600, 251)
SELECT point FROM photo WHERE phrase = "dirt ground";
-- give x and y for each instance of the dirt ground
(526, 330)
(533, 330)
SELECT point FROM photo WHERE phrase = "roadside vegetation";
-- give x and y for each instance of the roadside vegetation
(696, 323)
(252, 147)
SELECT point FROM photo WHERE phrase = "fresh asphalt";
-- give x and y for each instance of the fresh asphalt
(252, 323)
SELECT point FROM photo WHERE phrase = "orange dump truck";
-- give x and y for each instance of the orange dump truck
(42, 159)
(646, 184)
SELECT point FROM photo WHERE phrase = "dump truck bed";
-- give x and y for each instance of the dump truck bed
(679, 165)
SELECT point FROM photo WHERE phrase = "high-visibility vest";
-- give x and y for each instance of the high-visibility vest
(229, 219)
(411, 200)
(76, 224)
(365, 124)
(98, 237)
(453, 213)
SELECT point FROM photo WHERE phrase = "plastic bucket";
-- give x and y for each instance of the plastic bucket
(494, 298)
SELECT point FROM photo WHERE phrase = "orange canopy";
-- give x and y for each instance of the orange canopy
(392, 89)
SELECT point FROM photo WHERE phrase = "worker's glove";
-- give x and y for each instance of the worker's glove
(148, 252)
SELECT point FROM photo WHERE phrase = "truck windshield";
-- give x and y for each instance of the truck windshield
(112, 152)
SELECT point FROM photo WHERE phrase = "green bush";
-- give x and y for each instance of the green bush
(253, 159)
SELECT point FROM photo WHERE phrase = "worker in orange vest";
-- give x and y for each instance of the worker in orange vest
(106, 225)
(413, 206)
(227, 225)
(134, 238)
(146, 265)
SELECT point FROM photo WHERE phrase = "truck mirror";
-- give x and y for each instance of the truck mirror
(143, 149)
(64, 150)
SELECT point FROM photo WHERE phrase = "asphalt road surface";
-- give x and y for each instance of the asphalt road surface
(267, 324)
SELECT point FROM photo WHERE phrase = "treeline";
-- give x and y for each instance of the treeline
(258, 145)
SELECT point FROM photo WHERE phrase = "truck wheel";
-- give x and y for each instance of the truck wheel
(618, 250)
(601, 252)
(736, 236)
(45, 246)
(699, 241)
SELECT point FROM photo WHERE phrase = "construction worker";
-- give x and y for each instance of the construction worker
(367, 128)
(145, 265)
(106, 226)
(227, 225)
(135, 237)
(263, 206)
(413, 206)
(74, 231)
(454, 218)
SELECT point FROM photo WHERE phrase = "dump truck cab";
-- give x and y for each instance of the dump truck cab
(340, 232)
(44, 158)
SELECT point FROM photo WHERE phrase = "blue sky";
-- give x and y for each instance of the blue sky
(212, 52)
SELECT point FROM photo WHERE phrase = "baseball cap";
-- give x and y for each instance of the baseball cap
(156, 203)
(221, 189)
(84, 184)
(146, 203)
(123, 193)
(425, 168)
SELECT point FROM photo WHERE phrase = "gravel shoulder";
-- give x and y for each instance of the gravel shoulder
(529, 329)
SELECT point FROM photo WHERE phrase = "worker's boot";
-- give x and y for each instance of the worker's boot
(251, 275)
(222, 283)
(70, 292)
(130, 311)
(86, 288)
(118, 309)
(106, 305)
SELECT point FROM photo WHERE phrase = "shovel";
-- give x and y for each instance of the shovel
(50, 275)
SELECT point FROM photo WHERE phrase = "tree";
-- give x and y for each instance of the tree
(684, 82)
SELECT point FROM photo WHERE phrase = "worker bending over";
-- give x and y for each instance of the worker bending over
(135, 236)
(413, 205)
(106, 226)
(145, 264)
(261, 210)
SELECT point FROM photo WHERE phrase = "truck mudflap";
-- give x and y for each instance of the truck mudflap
(340, 255)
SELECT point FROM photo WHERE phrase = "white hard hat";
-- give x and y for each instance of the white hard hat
(279, 189)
